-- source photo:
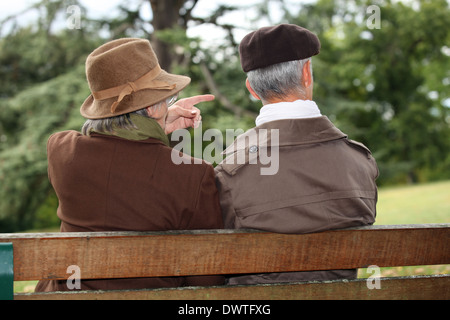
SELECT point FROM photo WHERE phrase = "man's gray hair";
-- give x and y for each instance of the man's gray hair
(123, 121)
(278, 80)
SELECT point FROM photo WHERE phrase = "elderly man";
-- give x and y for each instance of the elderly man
(117, 175)
(322, 181)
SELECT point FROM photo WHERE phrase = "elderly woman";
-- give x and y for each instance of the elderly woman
(117, 174)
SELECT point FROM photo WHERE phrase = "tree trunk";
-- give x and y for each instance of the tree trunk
(166, 14)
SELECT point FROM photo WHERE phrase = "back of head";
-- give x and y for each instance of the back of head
(274, 57)
(278, 81)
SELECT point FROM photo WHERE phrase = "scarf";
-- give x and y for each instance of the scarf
(288, 110)
(145, 128)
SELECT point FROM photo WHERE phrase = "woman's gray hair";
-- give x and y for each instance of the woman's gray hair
(278, 80)
(123, 121)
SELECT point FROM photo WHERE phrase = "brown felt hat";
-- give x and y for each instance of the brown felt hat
(124, 76)
(272, 45)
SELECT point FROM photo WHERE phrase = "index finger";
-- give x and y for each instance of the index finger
(198, 99)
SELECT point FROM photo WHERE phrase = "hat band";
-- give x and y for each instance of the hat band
(145, 82)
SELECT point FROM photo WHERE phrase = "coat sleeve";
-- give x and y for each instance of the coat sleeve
(207, 213)
(226, 203)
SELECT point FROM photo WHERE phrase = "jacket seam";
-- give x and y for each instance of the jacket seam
(196, 200)
(107, 196)
(317, 198)
(199, 189)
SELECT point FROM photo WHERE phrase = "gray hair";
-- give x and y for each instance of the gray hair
(123, 121)
(278, 80)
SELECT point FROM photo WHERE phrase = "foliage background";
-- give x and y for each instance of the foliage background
(386, 87)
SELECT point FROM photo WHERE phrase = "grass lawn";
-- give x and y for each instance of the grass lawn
(425, 203)
(417, 204)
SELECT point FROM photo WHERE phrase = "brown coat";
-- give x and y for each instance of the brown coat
(106, 183)
(324, 181)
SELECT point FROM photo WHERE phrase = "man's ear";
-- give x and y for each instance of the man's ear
(253, 93)
(306, 74)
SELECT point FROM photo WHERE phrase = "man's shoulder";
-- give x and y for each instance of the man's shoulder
(241, 152)
(359, 146)
(242, 141)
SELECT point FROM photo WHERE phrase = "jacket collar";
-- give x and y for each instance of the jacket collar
(146, 141)
(290, 132)
(298, 109)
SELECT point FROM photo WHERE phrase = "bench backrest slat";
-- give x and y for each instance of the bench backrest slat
(414, 288)
(137, 254)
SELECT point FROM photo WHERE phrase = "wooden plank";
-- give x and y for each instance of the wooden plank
(414, 288)
(135, 254)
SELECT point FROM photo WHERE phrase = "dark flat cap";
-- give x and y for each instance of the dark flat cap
(281, 43)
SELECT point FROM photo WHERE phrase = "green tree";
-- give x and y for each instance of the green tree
(376, 82)
(43, 85)
(387, 87)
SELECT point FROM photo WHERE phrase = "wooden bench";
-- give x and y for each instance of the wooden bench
(179, 253)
